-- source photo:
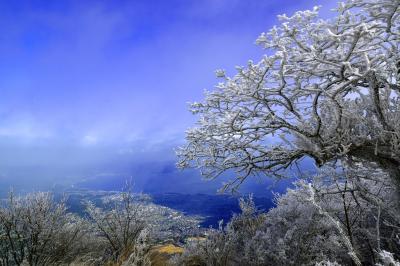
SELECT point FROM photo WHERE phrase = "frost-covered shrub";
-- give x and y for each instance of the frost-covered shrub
(364, 203)
(221, 246)
(295, 232)
(127, 227)
(386, 259)
(35, 230)
(119, 228)
(341, 217)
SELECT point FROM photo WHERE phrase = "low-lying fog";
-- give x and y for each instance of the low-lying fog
(50, 165)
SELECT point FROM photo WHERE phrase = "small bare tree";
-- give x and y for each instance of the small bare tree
(123, 227)
(35, 230)
(129, 224)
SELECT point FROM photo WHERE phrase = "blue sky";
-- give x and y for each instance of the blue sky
(80, 80)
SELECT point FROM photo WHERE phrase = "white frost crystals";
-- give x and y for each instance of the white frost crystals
(332, 86)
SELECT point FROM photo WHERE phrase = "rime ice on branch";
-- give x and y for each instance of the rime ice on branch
(328, 89)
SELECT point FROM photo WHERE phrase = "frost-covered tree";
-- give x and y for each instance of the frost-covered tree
(326, 89)
(36, 230)
(128, 225)
(122, 229)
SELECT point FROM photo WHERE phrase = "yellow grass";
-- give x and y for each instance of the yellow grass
(169, 249)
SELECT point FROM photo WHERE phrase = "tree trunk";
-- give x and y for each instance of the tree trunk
(383, 159)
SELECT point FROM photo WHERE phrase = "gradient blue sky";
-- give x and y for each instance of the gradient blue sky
(78, 76)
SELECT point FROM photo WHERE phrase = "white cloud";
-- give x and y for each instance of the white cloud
(89, 140)
(24, 127)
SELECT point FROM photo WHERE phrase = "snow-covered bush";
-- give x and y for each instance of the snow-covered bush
(35, 230)
(339, 217)
(120, 228)
(223, 246)
(386, 259)
(128, 227)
